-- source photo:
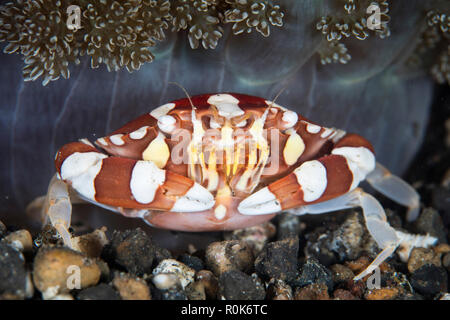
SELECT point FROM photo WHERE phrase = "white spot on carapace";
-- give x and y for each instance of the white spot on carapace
(102, 141)
(162, 110)
(312, 178)
(294, 148)
(196, 199)
(157, 151)
(273, 104)
(326, 132)
(145, 180)
(226, 104)
(220, 212)
(360, 161)
(261, 202)
(312, 128)
(139, 133)
(290, 117)
(166, 123)
(117, 139)
(81, 168)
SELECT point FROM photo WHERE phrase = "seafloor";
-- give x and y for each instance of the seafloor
(290, 258)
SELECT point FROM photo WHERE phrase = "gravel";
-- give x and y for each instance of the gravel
(229, 255)
(237, 285)
(430, 222)
(430, 280)
(13, 274)
(100, 292)
(312, 272)
(192, 261)
(278, 260)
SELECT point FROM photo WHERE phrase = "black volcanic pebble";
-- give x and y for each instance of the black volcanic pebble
(313, 272)
(100, 292)
(278, 260)
(430, 222)
(192, 262)
(429, 280)
(12, 273)
(132, 250)
(237, 285)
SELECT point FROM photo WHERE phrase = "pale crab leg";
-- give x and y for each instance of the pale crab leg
(376, 222)
(346, 201)
(396, 189)
(387, 238)
(58, 208)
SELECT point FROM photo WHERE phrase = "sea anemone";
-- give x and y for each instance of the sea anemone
(36, 29)
(202, 19)
(246, 15)
(115, 33)
(433, 48)
(334, 52)
(119, 34)
(352, 22)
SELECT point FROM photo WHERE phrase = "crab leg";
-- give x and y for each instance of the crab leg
(376, 222)
(58, 208)
(316, 180)
(346, 201)
(128, 183)
(387, 238)
(396, 189)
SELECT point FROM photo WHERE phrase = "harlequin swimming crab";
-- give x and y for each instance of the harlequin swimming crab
(227, 161)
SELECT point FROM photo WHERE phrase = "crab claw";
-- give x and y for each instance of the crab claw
(261, 202)
(196, 199)
(120, 183)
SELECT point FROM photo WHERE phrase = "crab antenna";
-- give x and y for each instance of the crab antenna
(185, 91)
(264, 116)
(278, 94)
